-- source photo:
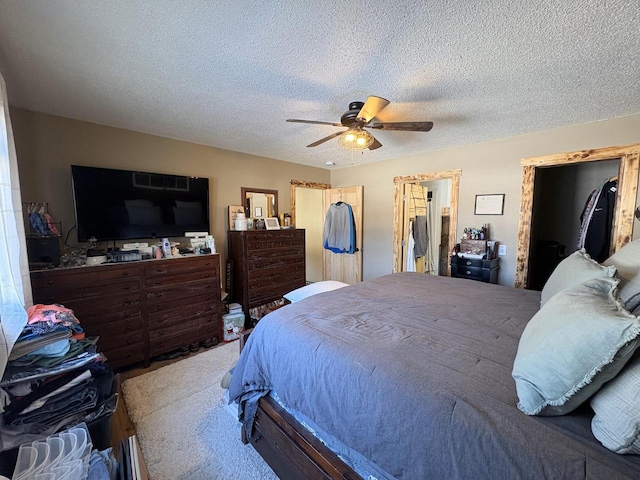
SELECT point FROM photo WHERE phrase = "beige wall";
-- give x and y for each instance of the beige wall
(47, 145)
(489, 167)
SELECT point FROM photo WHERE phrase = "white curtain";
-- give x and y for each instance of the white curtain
(15, 287)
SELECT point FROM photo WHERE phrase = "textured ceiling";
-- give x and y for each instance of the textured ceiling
(229, 73)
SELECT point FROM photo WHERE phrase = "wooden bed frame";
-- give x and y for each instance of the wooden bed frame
(289, 448)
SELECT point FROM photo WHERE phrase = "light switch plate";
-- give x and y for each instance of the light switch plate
(502, 250)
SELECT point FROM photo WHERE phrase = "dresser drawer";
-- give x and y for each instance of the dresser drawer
(119, 357)
(464, 262)
(261, 240)
(168, 280)
(84, 291)
(179, 266)
(258, 296)
(181, 292)
(88, 309)
(467, 272)
(277, 253)
(82, 276)
(268, 244)
(489, 275)
(177, 336)
(88, 315)
(265, 276)
(264, 263)
(180, 314)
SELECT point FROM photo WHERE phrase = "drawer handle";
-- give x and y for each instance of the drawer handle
(468, 272)
(158, 282)
(127, 287)
(129, 342)
(206, 275)
(160, 270)
(206, 264)
(124, 274)
(50, 282)
(468, 263)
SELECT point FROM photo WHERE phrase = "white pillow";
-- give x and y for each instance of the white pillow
(627, 262)
(312, 289)
(573, 270)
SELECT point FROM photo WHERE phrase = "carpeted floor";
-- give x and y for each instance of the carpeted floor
(184, 430)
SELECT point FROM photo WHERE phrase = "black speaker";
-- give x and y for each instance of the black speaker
(44, 250)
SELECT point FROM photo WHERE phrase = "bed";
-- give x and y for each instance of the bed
(406, 376)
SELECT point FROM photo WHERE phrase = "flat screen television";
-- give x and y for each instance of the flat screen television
(122, 204)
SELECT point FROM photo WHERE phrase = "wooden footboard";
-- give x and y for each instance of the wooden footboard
(289, 448)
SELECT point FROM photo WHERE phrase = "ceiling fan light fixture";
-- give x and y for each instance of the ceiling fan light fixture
(356, 139)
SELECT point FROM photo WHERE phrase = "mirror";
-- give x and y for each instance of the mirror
(441, 208)
(259, 202)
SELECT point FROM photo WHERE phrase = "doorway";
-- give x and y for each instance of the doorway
(402, 207)
(307, 213)
(310, 202)
(622, 229)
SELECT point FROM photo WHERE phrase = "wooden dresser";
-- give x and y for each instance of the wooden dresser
(139, 309)
(266, 265)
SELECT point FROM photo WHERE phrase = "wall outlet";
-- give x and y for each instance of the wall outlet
(502, 250)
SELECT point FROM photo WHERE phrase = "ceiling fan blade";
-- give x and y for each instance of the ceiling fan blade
(325, 139)
(406, 126)
(375, 144)
(372, 107)
(293, 120)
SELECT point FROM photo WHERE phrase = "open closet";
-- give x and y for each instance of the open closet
(574, 200)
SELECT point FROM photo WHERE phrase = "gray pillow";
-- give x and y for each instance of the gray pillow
(617, 405)
(579, 340)
(573, 270)
(627, 262)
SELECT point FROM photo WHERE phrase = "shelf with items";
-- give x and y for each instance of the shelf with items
(40, 221)
(43, 236)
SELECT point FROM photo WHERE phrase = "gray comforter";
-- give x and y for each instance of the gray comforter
(414, 372)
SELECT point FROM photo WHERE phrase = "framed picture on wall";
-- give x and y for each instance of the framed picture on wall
(489, 204)
(272, 223)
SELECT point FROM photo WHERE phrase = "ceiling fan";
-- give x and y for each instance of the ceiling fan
(357, 118)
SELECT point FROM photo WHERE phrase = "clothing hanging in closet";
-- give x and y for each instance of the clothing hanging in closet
(339, 234)
(420, 236)
(411, 258)
(597, 219)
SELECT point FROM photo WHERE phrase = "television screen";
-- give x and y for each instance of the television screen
(121, 204)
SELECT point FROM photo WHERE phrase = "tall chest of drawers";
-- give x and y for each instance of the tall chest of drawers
(139, 309)
(266, 265)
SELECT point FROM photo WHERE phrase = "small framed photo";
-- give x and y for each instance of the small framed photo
(258, 212)
(489, 204)
(233, 212)
(272, 223)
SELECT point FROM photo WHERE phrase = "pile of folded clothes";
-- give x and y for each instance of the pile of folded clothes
(55, 378)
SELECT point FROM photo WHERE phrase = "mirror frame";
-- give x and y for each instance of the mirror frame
(398, 185)
(245, 190)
